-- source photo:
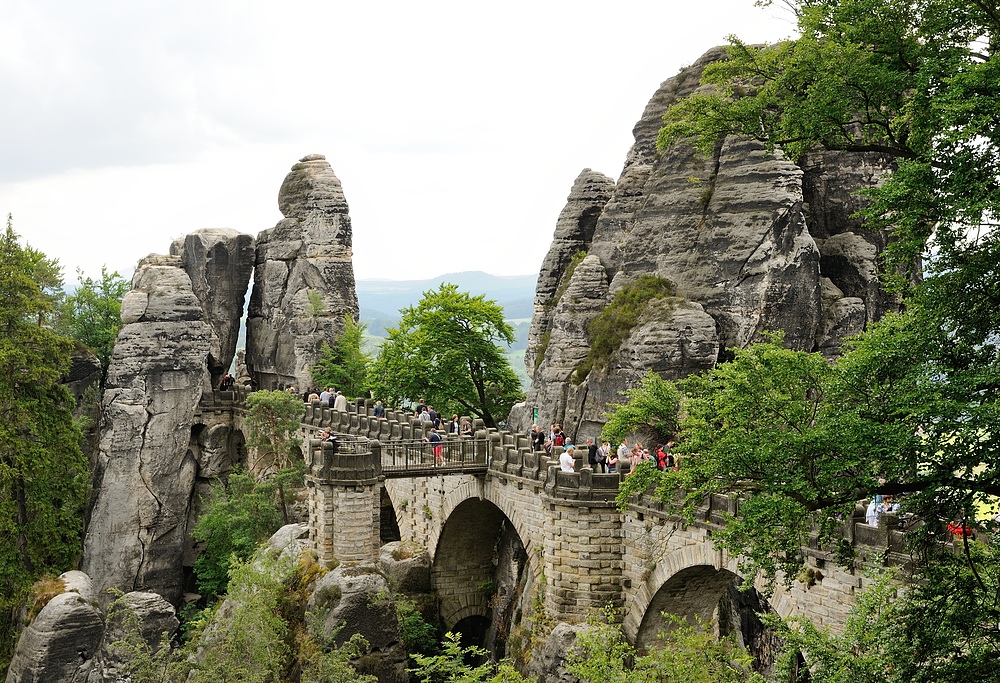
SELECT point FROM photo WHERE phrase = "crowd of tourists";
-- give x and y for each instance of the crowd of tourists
(601, 458)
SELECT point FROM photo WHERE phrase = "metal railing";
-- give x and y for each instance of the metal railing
(404, 458)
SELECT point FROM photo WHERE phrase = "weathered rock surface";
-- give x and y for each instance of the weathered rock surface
(409, 574)
(751, 241)
(357, 600)
(548, 665)
(153, 618)
(303, 278)
(145, 471)
(219, 262)
(60, 644)
(574, 232)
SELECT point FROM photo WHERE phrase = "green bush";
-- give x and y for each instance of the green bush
(237, 519)
(614, 324)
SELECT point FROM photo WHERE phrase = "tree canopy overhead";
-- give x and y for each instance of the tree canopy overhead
(445, 351)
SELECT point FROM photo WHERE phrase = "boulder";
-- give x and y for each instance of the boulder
(357, 599)
(146, 615)
(60, 644)
(407, 572)
(303, 278)
(548, 663)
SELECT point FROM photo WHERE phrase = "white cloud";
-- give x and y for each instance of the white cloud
(456, 128)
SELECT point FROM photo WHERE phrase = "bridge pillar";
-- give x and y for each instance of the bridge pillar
(344, 501)
(582, 557)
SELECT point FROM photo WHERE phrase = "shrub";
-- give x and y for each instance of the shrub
(614, 324)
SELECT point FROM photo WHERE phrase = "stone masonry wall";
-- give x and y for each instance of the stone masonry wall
(581, 552)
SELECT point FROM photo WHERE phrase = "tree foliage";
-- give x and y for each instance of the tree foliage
(43, 474)
(653, 404)
(272, 420)
(254, 636)
(92, 314)
(445, 350)
(344, 365)
(237, 518)
(914, 80)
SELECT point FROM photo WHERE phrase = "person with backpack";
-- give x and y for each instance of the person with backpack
(436, 446)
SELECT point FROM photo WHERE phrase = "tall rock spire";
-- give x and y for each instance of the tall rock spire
(303, 278)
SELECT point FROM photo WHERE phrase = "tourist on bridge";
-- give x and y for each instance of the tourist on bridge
(537, 438)
(379, 410)
(454, 427)
(325, 395)
(340, 402)
(594, 457)
(567, 460)
(436, 446)
(465, 428)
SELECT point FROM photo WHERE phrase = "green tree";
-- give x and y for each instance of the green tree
(92, 314)
(43, 474)
(273, 418)
(653, 404)
(687, 653)
(445, 350)
(344, 365)
(237, 518)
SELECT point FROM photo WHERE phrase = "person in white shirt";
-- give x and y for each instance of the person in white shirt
(871, 514)
(567, 460)
(340, 402)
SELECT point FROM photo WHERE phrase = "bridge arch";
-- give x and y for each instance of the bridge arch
(479, 565)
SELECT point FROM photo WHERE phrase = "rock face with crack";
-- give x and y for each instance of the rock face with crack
(219, 262)
(145, 474)
(303, 278)
(751, 242)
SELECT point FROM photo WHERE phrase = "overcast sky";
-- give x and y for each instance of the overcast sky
(456, 128)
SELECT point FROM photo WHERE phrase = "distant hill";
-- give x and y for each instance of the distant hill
(380, 300)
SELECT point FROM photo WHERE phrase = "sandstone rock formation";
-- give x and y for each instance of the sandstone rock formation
(219, 262)
(356, 600)
(179, 327)
(751, 241)
(303, 278)
(59, 645)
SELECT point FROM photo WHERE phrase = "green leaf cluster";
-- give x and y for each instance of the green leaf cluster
(344, 365)
(237, 518)
(613, 325)
(653, 403)
(92, 314)
(446, 351)
(44, 477)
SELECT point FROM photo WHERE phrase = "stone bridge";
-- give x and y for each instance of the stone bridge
(576, 551)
